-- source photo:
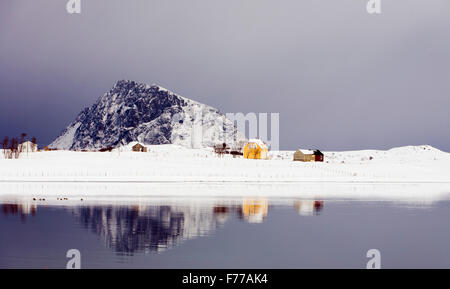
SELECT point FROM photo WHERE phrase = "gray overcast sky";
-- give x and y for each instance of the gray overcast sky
(340, 78)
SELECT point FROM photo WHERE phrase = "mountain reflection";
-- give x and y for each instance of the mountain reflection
(149, 227)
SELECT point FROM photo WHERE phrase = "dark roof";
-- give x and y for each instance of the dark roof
(318, 153)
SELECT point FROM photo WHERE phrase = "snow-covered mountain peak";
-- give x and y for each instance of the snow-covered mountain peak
(149, 114)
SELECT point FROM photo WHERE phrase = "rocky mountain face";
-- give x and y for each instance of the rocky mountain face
(132, 111)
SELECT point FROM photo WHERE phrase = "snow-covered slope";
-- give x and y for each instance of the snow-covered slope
(132, 111)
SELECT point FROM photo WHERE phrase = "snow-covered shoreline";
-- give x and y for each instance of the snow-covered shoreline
(70, 194)
(170, 163)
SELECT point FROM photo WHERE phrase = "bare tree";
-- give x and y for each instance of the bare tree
(33, 140)
(22, 140)
(14, 148)
(5, 147)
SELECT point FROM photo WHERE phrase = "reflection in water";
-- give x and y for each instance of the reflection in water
(308, 207)
(128, 229)
(117, 232)
(255, 210)
(19, 209)
(147, 228)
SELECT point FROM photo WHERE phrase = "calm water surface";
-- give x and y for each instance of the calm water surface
(225, 233)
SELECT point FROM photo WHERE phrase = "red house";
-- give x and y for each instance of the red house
(318, 155)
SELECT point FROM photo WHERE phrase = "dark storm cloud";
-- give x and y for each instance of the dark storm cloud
(340, 78)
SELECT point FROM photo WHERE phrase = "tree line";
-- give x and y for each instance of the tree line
(13, 147)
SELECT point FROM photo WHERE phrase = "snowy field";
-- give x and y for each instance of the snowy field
(170, 163)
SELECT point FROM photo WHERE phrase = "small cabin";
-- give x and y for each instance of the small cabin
(139, 148)
(308, 155)
(304, 155)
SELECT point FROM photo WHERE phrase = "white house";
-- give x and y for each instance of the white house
(27, 147)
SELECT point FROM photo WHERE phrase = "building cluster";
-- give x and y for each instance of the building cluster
(255, 149)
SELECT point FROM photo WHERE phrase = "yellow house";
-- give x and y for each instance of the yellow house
(256, 149)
